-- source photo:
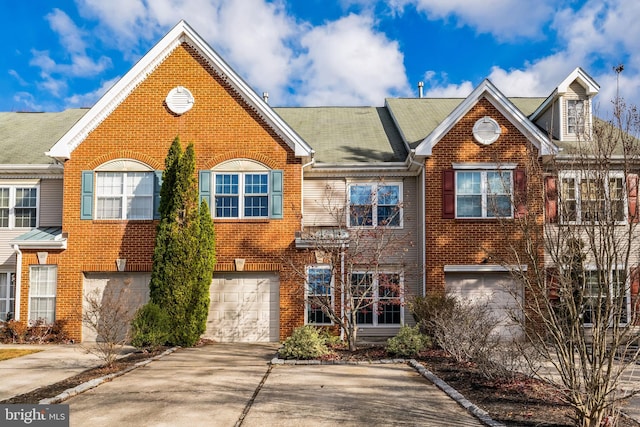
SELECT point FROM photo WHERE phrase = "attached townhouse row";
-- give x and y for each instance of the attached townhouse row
(79, 191)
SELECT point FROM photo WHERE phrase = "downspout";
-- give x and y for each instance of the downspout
(421, 214)
(310, 163)
(342, 290)
(16, 310)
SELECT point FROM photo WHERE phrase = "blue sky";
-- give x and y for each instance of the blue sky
(67, 53)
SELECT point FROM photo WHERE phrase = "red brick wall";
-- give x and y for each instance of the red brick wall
(221, 127)
(465, 241)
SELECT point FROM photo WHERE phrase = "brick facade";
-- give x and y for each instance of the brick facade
(475, 241)
(142, 128)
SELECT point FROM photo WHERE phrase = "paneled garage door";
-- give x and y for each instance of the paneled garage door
(503, 295)
(245, 307)
(132, 288)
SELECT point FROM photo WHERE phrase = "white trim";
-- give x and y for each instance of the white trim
(483, 166)
(181, 33)
(124, 165)
(577, 176)
(487, 90)
(54, 295)
(306, 293)
(374, 184)
(484, 268)
(35, 184)
(375, 290)
(18, 280)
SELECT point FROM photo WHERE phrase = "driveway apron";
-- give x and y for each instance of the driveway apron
(233, 385)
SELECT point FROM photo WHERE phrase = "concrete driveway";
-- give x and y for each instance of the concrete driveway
(233, 385)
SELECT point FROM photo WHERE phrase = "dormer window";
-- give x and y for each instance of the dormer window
(575, 116)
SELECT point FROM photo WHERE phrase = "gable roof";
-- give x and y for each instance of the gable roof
(578, 74)
(181, 33)
(487, 90)
(25, 137)
(347, 134)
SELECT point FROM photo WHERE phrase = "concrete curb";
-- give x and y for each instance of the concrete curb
(480, 414)
(70, 392)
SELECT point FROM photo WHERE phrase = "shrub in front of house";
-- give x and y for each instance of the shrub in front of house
(306, 342)
(150, 327)
(408, 342)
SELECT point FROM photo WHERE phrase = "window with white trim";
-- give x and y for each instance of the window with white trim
(575, 116)
(319, 295)
(484, 193)
(42, 292)
(373, 205)
(606, 288)
(588, 198)
(380, 295)
(124, 195)
(18, 206)
(241, 195)
(7, 294)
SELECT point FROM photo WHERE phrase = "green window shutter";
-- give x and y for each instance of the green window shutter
(205, 186)
(157, 185)
(86, 201)
(276, 194)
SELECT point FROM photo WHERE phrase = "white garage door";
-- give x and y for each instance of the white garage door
(129, 288)
(245, 307)
(498, 290)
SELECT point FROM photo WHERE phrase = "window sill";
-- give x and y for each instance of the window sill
(123, 221)
(237, 220)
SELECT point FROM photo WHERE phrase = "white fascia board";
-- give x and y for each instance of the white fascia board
(507, 108)
(182, 32)
(47, 244)
(483, 268)
(585, 80)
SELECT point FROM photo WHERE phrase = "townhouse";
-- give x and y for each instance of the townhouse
(455, 172)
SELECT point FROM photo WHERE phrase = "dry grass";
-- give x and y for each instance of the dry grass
(10, 353)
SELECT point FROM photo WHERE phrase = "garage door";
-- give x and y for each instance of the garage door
(132, 287)
(498, 290)
(245, 307)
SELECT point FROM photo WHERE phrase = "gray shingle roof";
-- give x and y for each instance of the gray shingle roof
(418, 117)
(25, 137)
(347, 134)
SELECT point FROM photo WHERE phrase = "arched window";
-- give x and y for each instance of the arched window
(124, 189)
(242, 188)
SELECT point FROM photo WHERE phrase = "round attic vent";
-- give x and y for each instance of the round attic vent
(486, 130)
(179, 100)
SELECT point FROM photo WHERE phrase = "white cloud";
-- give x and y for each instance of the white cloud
(505, 19)
(19, 79)
(341, 62)
(348, 63)
(88, 99)
(26, 101)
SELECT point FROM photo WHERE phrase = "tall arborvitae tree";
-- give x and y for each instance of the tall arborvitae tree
(184, 254)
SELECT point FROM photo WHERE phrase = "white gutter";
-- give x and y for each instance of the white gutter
(342, 278)
(16, 311)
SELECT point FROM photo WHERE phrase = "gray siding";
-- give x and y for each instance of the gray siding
(7, 254)
(51, 203)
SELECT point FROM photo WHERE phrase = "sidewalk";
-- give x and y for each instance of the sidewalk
(54, 363)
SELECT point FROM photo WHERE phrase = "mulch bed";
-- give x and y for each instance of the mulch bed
(521, 402)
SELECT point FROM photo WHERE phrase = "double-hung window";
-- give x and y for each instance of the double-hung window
(319, 295)
(379, 298)
(586, 198)
(42, 293)
(575, 116)
(484, 193)
(124, 195)
(605, 293)
(241, 195)
(373, 205)
(7, 294)
(18, 206)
